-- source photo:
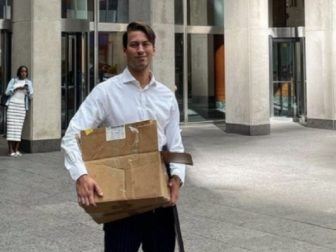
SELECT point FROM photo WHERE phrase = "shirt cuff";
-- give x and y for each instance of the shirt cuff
(178, 170)
(77, 170)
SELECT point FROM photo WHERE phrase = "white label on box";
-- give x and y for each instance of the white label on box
(115, 133)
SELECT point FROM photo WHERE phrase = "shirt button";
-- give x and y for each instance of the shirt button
(143, 100)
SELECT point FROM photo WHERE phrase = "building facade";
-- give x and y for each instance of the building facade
(238, 61)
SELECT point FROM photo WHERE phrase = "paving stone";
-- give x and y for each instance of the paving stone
(263, 193)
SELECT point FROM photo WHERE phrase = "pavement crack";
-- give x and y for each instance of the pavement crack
(312, 224)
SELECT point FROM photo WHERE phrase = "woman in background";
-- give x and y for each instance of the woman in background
(20, 90)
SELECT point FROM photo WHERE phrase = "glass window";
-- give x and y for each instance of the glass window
(74, 73)
(5, 9)
(206, 12)
(206, 97)
(111, 60)
(92, 80)
(206, 88)
(91, 11)
(77, 9)
(178, 12)
(113, 11)
(288, 77)
(179, 72)
(5, 63)
(286, 13)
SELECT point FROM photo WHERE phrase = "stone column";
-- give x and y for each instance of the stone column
(37, 44)
(160, 15)
(320, 63)
(247, 67)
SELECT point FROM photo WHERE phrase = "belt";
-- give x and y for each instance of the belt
(176, 157)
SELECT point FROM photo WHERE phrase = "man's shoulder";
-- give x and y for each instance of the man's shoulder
(163, 87)
(110, 82)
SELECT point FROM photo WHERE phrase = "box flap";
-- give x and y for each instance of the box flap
(129, 178)
(140, 137)
(127, 165)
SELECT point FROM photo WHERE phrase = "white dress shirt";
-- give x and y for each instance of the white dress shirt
(121, 100)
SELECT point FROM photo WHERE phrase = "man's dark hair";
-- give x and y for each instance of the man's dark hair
(138, 26)
(19, 70)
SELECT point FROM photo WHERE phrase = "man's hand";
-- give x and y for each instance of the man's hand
(174, 185)
(86, 188)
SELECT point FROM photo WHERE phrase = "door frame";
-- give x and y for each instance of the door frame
(74, 43)
(290, 34)
(6, 37)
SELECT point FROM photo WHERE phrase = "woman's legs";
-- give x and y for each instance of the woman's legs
(16, 146)
(11, 147)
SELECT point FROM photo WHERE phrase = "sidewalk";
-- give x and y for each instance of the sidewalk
(262, 193)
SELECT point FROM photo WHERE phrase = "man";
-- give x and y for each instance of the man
(134, 95)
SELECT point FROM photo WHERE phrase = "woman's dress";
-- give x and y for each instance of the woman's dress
(16, 113)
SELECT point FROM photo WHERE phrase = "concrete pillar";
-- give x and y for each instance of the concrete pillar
(320, 63)
(247, 67)
(37, 44)
(160, 15)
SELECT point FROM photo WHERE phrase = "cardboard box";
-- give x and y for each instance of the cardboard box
(107, 217)
(126, 163)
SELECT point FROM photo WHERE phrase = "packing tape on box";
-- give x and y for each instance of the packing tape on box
(135, 142)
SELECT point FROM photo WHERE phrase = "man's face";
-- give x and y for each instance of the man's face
(139, 51)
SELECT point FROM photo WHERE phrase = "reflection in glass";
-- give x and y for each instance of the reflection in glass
(74, 74)
(5, 9)
(288, 78)
(178, 12)
(113, 11)
(91, 62)
(5, 72)
(77, 9)
(2, 90)
(219, 67)
(286, 13)
(283, 61)
(2, 81)
(179, 72)
(206, 12)
(282, 78)
(206, 89)
(111, 59)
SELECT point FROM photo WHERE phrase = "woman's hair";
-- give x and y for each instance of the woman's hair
(138, 26)
(19, 70)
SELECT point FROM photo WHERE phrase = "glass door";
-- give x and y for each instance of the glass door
(288, 81)
(74, 74)
(199, 60)
(5, 52)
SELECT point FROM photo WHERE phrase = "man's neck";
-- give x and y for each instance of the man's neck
(142, 77)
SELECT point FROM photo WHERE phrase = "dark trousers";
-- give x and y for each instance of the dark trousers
(155, 230)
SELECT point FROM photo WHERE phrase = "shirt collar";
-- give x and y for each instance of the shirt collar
(127, 78)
